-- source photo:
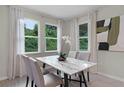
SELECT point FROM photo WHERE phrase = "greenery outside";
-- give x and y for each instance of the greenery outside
(84, 44)
(31, 32)
(83, 30)
(31, 44)
(51, 37)
(51, 44)
(83, 33)
(51, 31)
(31, 38)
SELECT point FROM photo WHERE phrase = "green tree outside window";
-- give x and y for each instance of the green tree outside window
(31, 36)
(51, 37)
(83, 37)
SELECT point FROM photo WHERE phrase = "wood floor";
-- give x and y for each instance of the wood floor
(95, 81)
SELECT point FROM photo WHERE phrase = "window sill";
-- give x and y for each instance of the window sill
(52, 51)
(84, 51)
(31, 52)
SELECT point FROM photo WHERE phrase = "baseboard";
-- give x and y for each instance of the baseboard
(3, 78)
(112, 77)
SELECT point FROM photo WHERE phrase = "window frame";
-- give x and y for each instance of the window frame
(51, 38)
(38, 37)
(83, 37)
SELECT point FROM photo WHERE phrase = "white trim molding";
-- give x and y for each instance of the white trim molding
(3, 78)
(112, 77)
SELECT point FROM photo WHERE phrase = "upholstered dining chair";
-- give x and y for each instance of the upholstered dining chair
(72, 54)
(28, 70)
(80, 56)
(40, 80)
(83, 56)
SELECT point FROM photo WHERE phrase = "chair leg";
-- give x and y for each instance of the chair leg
(35, 85)
(88, 77)
(57, 72)
(32, 83)
(44, 65)
(80, 77)
(69, 78)
(85, 83)
(60, 85)
(27, 81)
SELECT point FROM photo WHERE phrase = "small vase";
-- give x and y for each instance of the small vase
(61, 59)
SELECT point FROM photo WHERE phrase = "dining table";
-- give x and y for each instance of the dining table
(69, 67)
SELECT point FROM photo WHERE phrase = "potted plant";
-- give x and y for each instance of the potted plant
(66, 43)
(62, 56)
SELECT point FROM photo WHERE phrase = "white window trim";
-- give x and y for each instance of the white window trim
(31, 36)
(51, 38)
(78, 46)
(39, 32)
(83, 37)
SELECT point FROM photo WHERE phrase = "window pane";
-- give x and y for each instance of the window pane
(84, 44)
(30, 27)
(51, 31)
(31, 44)
(83, 30)
(51, 44)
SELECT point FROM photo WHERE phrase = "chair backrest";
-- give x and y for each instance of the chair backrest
(37, 73)
(27, 66)
(72, 54)
(83, 56)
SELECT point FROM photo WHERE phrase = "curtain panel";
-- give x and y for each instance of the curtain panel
(16, 46)
(92, 31)
(59, 41)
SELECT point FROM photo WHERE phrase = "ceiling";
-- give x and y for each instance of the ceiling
(63, 11)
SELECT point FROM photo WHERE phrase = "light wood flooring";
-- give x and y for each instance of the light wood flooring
(96, 80)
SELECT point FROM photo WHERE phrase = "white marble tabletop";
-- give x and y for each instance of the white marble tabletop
(70, 66)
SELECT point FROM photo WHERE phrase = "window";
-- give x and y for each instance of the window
(51, 37)
(31, 34)
(83, 37)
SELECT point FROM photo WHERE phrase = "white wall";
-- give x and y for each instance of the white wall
(66, 27)
(111, 63)
(3, 42)
(110, 11)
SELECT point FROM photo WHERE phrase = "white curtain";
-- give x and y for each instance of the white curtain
(60, 28)
(16, 46)
(92, 32)
(74, 34)
(93, 44)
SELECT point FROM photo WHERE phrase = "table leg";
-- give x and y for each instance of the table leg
(85, 83)
(88, 77)
(66, 80)
(44, 65)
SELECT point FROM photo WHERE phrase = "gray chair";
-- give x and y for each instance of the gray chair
(46, 68)
(83, 56)
(72, 54)
(40, 80)
(28, 70)
(80, 56)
